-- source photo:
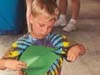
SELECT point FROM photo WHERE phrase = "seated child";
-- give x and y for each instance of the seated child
(42, 18)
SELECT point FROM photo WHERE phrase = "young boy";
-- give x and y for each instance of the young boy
(42, 18)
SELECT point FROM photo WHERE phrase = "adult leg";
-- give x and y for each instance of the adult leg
(28, 6)
(62, 5)
(75, 13)
(75, 9)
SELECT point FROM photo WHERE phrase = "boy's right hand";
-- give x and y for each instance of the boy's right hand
(14, 64)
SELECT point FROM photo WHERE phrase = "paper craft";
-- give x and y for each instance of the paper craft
(38, 59)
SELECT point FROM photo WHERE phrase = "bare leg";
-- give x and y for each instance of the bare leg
(75, 8)
(75, 13)
(28, 5)
(62, 5)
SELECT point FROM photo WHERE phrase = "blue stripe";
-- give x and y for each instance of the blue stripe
(52, 40)
(56, 41)
(59, 51)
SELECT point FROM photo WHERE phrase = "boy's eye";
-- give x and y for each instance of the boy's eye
(41, 25)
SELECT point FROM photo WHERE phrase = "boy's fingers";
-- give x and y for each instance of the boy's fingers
(22, 63)
(71, 58)
(21, 66)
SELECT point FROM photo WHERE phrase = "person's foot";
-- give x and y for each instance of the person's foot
(71, 26)
(61, 21)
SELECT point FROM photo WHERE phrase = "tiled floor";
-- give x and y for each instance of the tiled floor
(88, 34)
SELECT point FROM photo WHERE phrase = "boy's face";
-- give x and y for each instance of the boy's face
(41, 25)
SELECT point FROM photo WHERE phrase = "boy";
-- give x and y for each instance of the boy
(42, 18)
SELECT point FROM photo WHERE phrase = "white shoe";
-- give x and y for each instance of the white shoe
(71, 26)
(61, 21)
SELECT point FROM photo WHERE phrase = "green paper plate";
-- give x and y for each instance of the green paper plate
(38, 59)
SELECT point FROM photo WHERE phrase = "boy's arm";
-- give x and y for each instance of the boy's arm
(69, 49)
(74, 52)
(9, 60)
(18, 47)
(13, 52)
(74, 49)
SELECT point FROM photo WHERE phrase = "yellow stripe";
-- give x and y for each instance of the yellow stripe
(61, 60)
(14, 45)
(66, 44)
(13, 54)
(64, 36)
(56, 71)
(53, 73)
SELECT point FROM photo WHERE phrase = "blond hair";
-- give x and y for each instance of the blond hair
(48, 7)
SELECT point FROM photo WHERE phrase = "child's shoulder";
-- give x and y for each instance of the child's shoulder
(23, 37)
(52, 35)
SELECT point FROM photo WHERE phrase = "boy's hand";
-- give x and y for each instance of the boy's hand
(74, 52)
(14, 64)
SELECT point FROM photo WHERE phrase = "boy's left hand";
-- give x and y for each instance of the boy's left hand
(74, 52)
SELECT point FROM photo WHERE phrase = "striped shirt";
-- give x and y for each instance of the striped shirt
(60, 42)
